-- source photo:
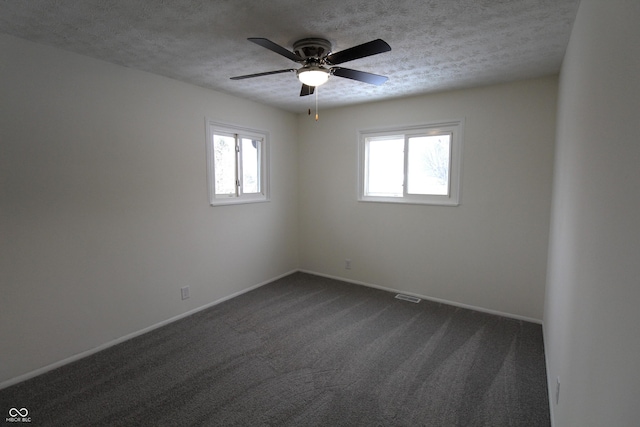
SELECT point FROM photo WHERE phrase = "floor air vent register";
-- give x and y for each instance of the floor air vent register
(408, 298)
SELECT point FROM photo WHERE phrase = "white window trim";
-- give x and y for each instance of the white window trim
(222, 128)
(455, 127)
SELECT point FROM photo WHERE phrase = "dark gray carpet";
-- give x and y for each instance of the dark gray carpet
(306, 351)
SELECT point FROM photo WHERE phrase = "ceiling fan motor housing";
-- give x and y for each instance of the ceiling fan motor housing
(312, 49)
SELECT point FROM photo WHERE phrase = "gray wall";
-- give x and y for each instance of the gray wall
(104, 212)
(490, 252)
(591, 313)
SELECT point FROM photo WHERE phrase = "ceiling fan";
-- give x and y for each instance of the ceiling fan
(318, 62)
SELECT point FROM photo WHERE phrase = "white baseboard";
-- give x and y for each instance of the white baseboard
(78, 356)
(443, 301)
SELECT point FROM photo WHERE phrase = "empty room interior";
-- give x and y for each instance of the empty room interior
(115, 222)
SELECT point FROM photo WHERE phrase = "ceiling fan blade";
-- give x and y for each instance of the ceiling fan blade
(363, 50)
(268, 73)
(275, 48)
(306, 90)
(361, 76)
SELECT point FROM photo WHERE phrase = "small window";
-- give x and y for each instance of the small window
(237, 161)
(419, 164)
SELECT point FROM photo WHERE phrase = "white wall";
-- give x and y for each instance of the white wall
(103, 204)
(489, 252)
(591, 314)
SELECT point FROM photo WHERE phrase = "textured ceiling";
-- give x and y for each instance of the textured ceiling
(436, 44)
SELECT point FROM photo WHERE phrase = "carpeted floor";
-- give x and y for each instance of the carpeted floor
(306, 351)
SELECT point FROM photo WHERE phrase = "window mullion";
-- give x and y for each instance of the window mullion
(238, 167)
(259, 148)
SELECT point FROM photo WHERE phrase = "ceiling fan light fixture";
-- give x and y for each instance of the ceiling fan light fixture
(313, 75)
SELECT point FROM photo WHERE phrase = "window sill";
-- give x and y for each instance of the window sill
(223, 202)
(406, 201)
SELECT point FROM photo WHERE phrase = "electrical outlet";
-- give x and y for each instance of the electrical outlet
(184, 292)
(347, 264)
(557, 390)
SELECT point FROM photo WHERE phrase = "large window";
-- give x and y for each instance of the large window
(237, 162)
(418, 164)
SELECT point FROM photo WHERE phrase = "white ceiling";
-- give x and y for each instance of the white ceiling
(436, 44)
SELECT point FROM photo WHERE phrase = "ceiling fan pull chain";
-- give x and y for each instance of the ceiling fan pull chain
(317, 104)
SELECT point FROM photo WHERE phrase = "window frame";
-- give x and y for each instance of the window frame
(238, 132)
(453, 127)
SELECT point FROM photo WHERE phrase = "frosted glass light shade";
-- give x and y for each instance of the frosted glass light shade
(313, 76)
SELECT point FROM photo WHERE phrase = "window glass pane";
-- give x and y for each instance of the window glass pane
(428, 165)
(224, 164)
(250, 166)
(385, 166)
